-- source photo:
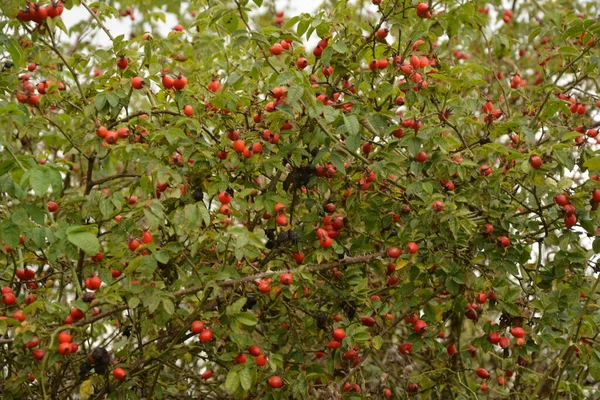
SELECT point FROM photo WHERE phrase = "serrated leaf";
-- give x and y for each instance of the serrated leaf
(338, 162)
(86, 389)
(237, 306)
(353, 142)
(596, 245)
(247, 318)
(295, 93)
(592, 163)
(133, 302)
(351, 123)
(86, 241)
(168, 306)
(232, 382)
(377, 342)
(246, 379)
(39, 181)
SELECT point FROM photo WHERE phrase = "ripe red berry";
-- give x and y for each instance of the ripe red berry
(482, 373)
(254, 351)
(38, 354)
(240, 359)
(338, 334)
(188, 110)
(65, 337)
(412, 247)
(206, 335)
(133, 244)
(286, 279)
(261, 360)
(420, 327)
(207, 375)
(122, 62)
(302, 63)
(421, 157)
(52, 206)
(146, 237)
(437, 206)
(93, 283)
(503, 241)
(393, 252)
(494, 337)
(180, 82)
(137, 82)
(64, 348)
(451, 350)
(197, 326)
(536, 162)
(275, 382)
(422, 10)
(517, 332)
(405, 348)
(119, 373)
(281, 220)
(276, 49)
(168, 81)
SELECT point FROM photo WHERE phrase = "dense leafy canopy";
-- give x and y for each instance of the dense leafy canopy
(407, 209)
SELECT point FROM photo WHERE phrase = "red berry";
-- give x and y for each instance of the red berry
(207, 375)
(52, 206)
(180, 82)
(38, 354)
(286, 279)
(261, 360)
(338, 334)
(393, 252)
(275, 382)
(302, 63)
(420, 327)
(405, 348)
(206, 335)
(254, 351)
(482, 373)
(517, 332)
(197, 326)
(535, 162)
(276, 49)
(122, 62)
(137, 82)
(119, 373)
(64, 348)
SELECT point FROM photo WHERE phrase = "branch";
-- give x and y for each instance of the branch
(561, 73)
(93, 14)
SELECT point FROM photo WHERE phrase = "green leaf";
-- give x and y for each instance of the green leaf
(236, 307)
(246, 379)
(168, 306)
(85, 240)
(232, 382)
(340, 46)
(247, 318)
(351, 123)
(338, 162)
(592, 163)
(596, 245)
(133, 302)
(39, 180)
(377, 342)
(295, 93)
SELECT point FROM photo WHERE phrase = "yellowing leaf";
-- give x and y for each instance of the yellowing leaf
(86, 389)
(401, 264)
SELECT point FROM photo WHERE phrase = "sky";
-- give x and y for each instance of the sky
(121, 26)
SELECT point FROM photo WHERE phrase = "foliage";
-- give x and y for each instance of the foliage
(414, 162)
